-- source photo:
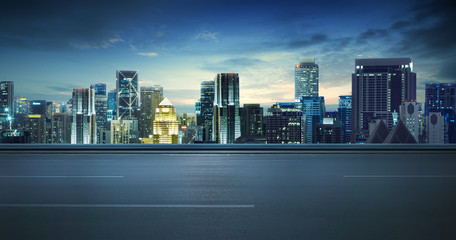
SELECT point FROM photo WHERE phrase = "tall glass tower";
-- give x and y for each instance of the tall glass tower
(127, 95)
(6, 103)
(101, 109)
(83, 125)
(226, 126)
(379, 85)
(441, 97)
(306, 78)
(345, 116)
(205, 116)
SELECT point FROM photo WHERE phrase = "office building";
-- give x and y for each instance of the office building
(306, 78)
(127, 95)
(410, 116)
(252, 121)
(60, 129)
(283, 124)
(101, 110)
(330, 131)
(435, 128)
(226, 126)
(206, 111)
(150, 98)
(441, 97)
(124, 131)
(313, 110)
(379, 85)
(83, 121)
(112, 106)
(345, 116)
(6, 104)
(35, 122)
(166, 126)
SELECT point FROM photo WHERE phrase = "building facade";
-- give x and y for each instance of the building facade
(127, 95)
(283, 124)
(411, 117)
(379, 85)
(313, 111)
(345, 116)
(441, 97)
(166, 126)
(226, 126)
(252, 121)
(83, 121)
(206, 111)
(101, 110)
(306, 78)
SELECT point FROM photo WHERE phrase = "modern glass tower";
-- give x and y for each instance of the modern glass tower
(101, 109)
(83, 125)
(127, 95)
(306, 78)
(226, 126)
(252, 121)
(379, 85)
(313, 110)
(206, 110)
(6, 103)
(283, 124)
(150, 98)
(345, 116)
(112, 105)
(441, 97)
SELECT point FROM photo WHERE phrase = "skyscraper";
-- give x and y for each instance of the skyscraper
(101, 109)
(313, 110)
(306, 78)
(35, 122)
(226, 126)
(6, 104)
(283, 123)
(112, 106)
(252, 121)
(127, 95)
(379, 85)
(60, 128)
(345, 116)
(441, 97)
(83, 124)
(124, 131)
(166, 126)
(435, 128)
(329, 131)
(206, 106)
(150, 98)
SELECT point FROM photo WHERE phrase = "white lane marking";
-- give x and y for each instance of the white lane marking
(61, 176)
(399, 176)
(63, 205)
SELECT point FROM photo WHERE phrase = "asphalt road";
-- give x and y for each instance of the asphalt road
(228, 196)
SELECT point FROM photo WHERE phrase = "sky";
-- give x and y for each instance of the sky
(50, 47)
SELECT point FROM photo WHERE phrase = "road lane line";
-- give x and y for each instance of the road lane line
(399, 176)
(61, 176)
(63, 205)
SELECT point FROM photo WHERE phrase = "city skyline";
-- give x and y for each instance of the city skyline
(55, 50)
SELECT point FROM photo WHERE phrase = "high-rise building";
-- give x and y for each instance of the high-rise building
(127, 95)
(124, 131)
(226, 127)
(101, 109)
(35, 123)
(166, 126)
(435, 128)
(410, 116)
(6, 104)
(60, 128)
(379, 85)
(441, 97)
(313, 110)
(206, 110)
(252, 121)
(150, 98)
(306, 78)
(345, 116)
(112, 106)
(83, 122)
(21, 106)
(330, 131)
(283, 123)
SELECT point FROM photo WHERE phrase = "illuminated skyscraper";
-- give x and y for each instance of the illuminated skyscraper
(35, 123)
(206, 110)
(127, 95)
(379, 85)
(306, 78)
(345, 116)
(226, 126)
(313, 110)
(150, 98)
(166, 126)
(441, 97)
(6, 104)
(101, 109)
(112, 106)
(83, 125)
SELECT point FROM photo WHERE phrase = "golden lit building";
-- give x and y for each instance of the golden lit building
(122, 131)
(166, 126)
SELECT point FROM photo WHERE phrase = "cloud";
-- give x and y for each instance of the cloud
(148, 54)
(372, 34)
(313, 40)
(206, 35)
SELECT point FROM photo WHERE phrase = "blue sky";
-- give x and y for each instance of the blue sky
(50, 47)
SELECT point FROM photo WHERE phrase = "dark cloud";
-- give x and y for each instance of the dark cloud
(232, 64)
(313, 40)
(372, 34)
